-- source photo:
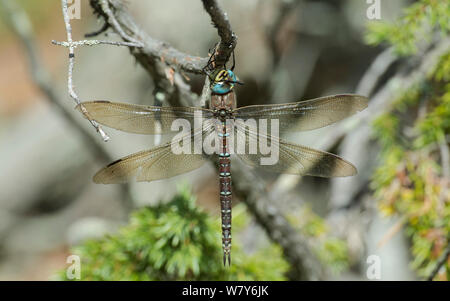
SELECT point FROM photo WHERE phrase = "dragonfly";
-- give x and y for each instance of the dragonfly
(224, 121)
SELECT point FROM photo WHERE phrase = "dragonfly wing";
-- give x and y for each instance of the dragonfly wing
(306, 115)
(291, 158)
(159, 163)
(141, 119)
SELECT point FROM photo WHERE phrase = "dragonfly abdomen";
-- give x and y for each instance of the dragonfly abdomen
(225, 195)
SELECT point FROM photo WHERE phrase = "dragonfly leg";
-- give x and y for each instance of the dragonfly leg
(234, 62)
(210, 65)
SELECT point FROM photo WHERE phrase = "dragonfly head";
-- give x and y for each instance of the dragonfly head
(224, 81)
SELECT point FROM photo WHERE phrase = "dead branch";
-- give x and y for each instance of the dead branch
(115, 15)
(228, 39)
(252, 191)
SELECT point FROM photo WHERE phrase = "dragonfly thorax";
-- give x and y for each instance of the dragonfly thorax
(223, 113)
(223, 105)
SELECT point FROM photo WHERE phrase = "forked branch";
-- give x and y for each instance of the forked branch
(72, 45)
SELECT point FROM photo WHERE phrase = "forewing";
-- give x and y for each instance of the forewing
(306, 115)
(141, 119)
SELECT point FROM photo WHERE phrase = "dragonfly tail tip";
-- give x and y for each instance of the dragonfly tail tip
(226, 257)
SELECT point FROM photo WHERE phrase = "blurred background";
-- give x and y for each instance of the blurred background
(396, 208)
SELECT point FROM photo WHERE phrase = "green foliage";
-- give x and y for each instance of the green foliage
(409, 181)
(436, 125)
(419, 23)
(178, 241)
(331, 251)
(175, 241)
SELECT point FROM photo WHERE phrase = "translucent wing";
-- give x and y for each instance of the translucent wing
(291, 158)
(141, 119)
(159, 163)
(309, 114)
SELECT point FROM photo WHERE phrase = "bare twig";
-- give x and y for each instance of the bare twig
(21, 25)
(72, 45)
(70, 86)
(93, 43)
(393, 230)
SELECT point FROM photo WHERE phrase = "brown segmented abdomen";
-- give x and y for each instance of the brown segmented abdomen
(225, 103)
(225, 194)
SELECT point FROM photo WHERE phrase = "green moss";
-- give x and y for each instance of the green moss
(436, 125)
(409, 180)
(331, 251)
(175, 241)
(178, 241)
(417, 25)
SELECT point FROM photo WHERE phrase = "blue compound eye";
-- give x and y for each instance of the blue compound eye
(223, 82)
(221, 88)
(232, 76)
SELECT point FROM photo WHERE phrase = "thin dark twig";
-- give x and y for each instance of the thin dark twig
(104, 28)
(440, 263)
